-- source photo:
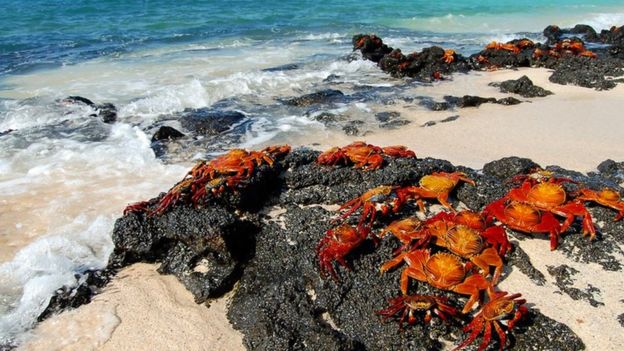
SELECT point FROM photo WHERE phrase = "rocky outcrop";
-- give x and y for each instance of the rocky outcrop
(207, 121)
(522, 86)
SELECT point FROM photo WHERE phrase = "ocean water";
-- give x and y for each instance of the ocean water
(65, 176)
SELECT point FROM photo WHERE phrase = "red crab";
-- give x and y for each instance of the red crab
(449, 56)
(406, 230)
(499, 307)
(524, 218)
(551, 196)
(441, 270)
(335, 245)
(500, 46)
(437, 185)
(137, 207)
(385, 198)
(408, 305)
(362, 155)
(606, 197)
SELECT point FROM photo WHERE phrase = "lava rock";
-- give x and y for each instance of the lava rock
(468, 101)
(508, 101)
(588, 33)
(522, 86)
(552, 33)
(286, 67)
(320, 97)
(165, 133)
(612, 170)
(107, 112)
(78, 100)
(371, 47)
(390, 120)
(587, 72)
(353, 127)
(6, 132)
(206, 121)
(507, 167)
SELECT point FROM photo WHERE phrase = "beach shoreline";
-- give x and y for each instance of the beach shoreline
(576, 128)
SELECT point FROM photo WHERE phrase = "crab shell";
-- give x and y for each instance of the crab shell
(606, 197)
(408, 305)
(335, 245)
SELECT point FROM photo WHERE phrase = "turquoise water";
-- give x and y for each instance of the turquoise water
(44, 34)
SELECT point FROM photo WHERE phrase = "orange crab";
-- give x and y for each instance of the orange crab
(551, 196)
(335, 245)
(362, 155)
(500, 46)
(406, 230)
(538, 175)
(449, 56)
(437, 185)
(408, 305)
(228, 170)
(384, 198)
(606, 197)
(441, 270)
(500, 306)
(525, 43)
(588, 53)
(524, 218)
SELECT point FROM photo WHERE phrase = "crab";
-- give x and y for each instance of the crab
(525, 43)
(448, 231)
(335, 245)
(500, 306)
(606, 197)
(550, 196)
(588, 53)
(525, 218)
(137, 207)
(406, 230)
(500, 46)
(385, 198)
(449, 56)
(362, 155)
(495, 236)
(437, 185)
(538, 175)
(227, 170)
(441, 270)
(537, 53)
(408, 305)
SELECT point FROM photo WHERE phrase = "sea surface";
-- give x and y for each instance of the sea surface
(66, 176)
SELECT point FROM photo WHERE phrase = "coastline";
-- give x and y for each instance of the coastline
(577, 128)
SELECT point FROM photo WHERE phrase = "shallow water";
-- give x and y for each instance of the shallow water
(65, 176)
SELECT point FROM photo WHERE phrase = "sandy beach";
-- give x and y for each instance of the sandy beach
(575, 128)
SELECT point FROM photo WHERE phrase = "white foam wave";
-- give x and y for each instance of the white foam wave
(44, 266)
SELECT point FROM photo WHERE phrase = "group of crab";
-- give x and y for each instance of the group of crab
(565, 47)
(458, 251)
(225, 172)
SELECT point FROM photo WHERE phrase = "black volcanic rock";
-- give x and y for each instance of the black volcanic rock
(522, 86)
(207, 121)
(78, 100)
(107, 112)
(319, 97)
(166, 133)
(507, 167)
(588, 73)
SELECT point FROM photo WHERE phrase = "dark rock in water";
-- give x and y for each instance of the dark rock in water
(320, 97)
(89, 283)
(78, 99)
(3, 133)
(432, 104)
(522, 86)
(390, 120)
(328, 118)
(468, 101)
(331, 78)
(206, 121)
(588, 73)
(508, 101)
(107, 112)
(429, 124)
(286, 67)
(553, 34)
(615, 35)
(385, 117)
(508, 167)
(589, 34)
(166, 133)
(353, 127)
(371, 47)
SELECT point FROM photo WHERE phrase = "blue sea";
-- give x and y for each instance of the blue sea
(65, 176)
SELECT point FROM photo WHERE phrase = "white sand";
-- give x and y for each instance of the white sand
(577, 128)
(140, 310)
